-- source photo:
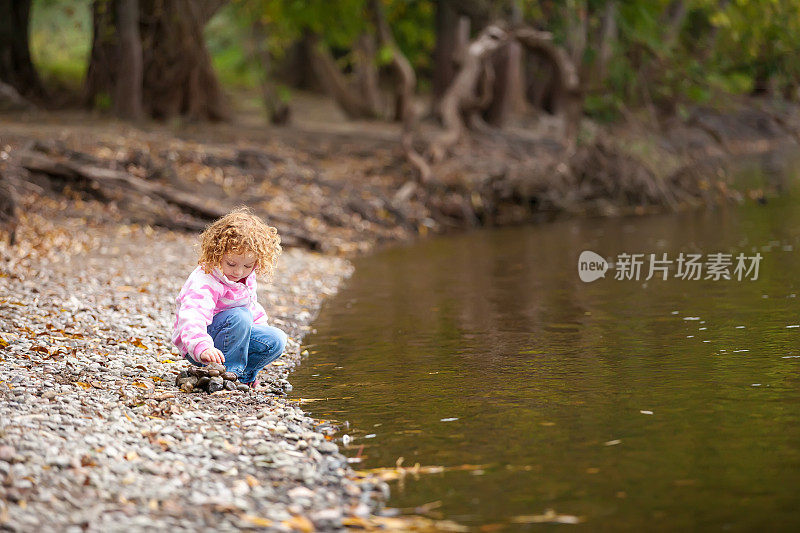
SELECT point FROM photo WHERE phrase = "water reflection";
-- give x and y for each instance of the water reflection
(667, 404)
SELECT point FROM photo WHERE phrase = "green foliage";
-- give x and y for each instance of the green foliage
(720, 47)
(412, 23)
(230, 46)
(602, 107)
(764, 36)
(61, 40)
(338, 24)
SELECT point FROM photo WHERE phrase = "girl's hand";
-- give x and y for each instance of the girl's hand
(212, 355)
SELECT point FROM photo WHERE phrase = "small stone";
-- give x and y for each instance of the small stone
(216, 366)
(191, 380)
(215, 384)
(229, 385)
(203, 382)
(59, 461)
(297, 510)
(183, 375)
(49, 395)
(242, 387)
(352, 490)
(327, 447)
(188, 386)
(300, 492)
(230, 376)
(214, 372)
(327, 519)
(7, 453)
(361, 510)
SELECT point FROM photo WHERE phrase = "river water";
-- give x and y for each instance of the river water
(619, 403)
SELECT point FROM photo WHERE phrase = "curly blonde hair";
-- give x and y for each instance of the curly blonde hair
(240, 232)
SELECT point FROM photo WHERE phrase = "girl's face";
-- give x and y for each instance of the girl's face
(237, 266)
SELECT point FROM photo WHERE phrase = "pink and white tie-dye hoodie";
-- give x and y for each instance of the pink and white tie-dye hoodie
(203, 296)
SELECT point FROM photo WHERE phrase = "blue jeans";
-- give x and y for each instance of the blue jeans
(247, 347)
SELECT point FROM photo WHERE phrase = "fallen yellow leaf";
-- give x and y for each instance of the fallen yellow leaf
(299, 523)
(356, 521)
(256, 521)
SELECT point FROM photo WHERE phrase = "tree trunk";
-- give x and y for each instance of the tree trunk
(296, 68)
(102, 73)
(507, 67)
(444, 52)
(16, 67)
(366, 72)
(128, 90)
(405, 86)
(608, 36)
(178, 76)
(278, 112)
(539, 82)
(516, 77)
(463, 89)
(406, 77)
(335, 82)
(568, 88)
(577, 29)
(209, 8)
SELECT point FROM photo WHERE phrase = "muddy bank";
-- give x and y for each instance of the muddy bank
(343, 189)
(642, 165)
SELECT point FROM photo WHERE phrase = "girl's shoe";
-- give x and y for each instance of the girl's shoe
(254, 384)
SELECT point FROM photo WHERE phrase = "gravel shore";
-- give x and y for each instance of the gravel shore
(96, 437)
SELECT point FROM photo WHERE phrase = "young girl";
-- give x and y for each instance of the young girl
(219, 319)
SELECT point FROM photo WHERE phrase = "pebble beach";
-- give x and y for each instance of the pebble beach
(95, 435)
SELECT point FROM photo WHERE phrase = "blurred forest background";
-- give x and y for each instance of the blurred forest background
(489, 111)
(629, 54)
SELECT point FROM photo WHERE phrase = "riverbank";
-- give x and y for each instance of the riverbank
(95, 435)
(343, 187)
(87, 293)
